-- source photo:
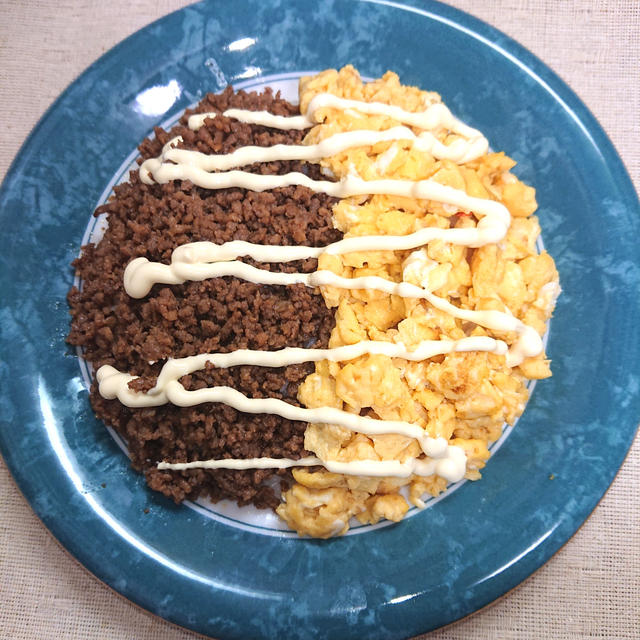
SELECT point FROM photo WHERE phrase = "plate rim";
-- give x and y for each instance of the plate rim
(544, 73)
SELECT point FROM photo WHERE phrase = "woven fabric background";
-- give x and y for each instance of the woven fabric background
(591, 588)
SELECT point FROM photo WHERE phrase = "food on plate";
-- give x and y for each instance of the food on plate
(349, 290)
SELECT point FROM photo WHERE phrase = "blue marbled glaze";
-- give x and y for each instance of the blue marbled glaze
(394, 582)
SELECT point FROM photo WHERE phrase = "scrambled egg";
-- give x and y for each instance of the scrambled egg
(463, 397)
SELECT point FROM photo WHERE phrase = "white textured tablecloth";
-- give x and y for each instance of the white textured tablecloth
(591, 588)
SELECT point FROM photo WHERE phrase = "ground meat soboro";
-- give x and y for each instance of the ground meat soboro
(220, 314)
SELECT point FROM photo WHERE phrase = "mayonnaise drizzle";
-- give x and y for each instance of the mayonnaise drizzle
(425, 143)
(331, 146)
(140, 275)
(114, 384)
(435, 117)
(175, 368)
(496, 216)
(451, 467)
(264, 118)
(192, 261)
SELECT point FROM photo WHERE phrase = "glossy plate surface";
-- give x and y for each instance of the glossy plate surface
(392, 582)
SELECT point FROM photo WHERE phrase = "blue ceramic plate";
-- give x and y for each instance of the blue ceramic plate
(205, 572)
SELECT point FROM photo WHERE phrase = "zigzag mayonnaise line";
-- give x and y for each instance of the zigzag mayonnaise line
(250, 154)
(328, 147)
(141, 274)
(175, 368)
(435, 117)
(113, 384)
(497, 216)
(447, 467)
(205, 252)
(492, 227)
